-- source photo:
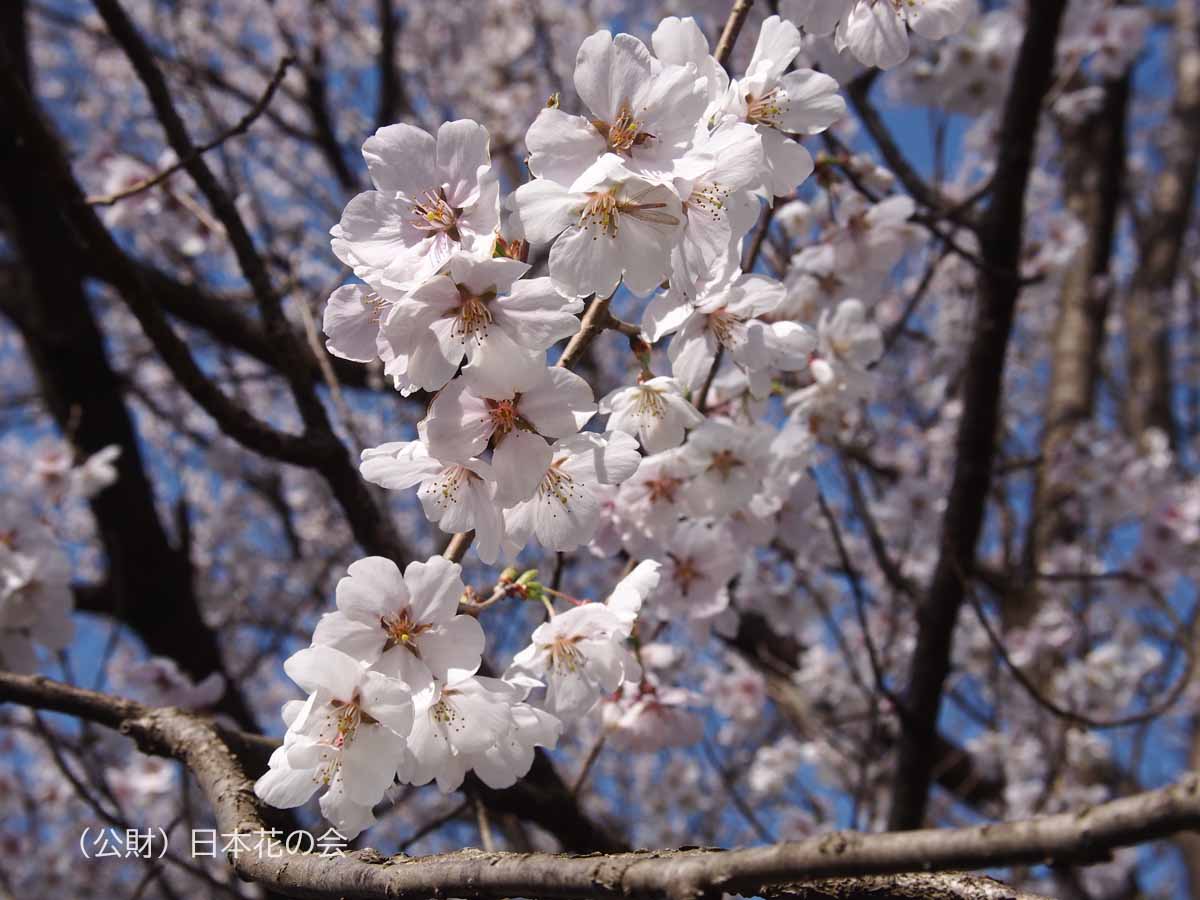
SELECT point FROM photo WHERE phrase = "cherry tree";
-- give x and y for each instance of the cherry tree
(508, 434)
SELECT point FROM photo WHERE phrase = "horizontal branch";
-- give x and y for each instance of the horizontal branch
(780, 869)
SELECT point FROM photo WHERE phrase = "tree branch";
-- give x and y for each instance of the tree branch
(800, 868)
(241, 127)
(1001, 231)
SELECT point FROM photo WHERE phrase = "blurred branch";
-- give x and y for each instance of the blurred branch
(1001, 231)
(240, 127)
(392, 97)
(731, 30)
(1160, 240)
(858, 90)
(372, 528)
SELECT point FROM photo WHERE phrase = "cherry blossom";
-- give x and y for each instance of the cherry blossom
(646, 718)
(876, 31)
(352, 727)
(564, 511)
(730, 463)
(847, 343)
(581, 652)
(456, 496)
(608, 226)
(35, 590)
(728, 313)
(461, 422)
(354, 316)
(651, 502)
(799, 102)
(698, 560)
(452, 725)
(432, 197)
(654, 410)
(409, 621)
(478, 309)
(641, 110)
(716, 179)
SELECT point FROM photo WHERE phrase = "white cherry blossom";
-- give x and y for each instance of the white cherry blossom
(728, 312)
(354, 315)
(478, 308)
(581, 653)
(781, 103)
(609, 225)
(647, 718)
(458, 496)
(698, 560)
(433, 196)
(454, 723)
(352, 728)
(716, 179)
(461, 422)
(680, 42)
(35, 589)
(641, 110)
(650, 503)
(848, 343)
(654, 410)
(873, 237)
(730, 462)
(408, 620)
(876, 31)
(564, 511)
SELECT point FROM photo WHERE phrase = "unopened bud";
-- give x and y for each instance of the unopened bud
(528, 585)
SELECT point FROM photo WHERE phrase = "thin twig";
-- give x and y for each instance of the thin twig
(733, 27)
(241, 127)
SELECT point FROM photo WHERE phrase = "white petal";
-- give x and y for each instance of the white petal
(562, 146)
(462, 152)
(351, 323)
(499, 366)
(323, 667)
(543, 209)
(536, 315)
(609, 71)
(560, 405)
(400, 158)
(435, 587)
(401, 466)
(453, 651)
(520, 461)
(459, 423)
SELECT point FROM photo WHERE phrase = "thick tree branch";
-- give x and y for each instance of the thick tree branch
(1001, 231)
(792, 869)
(1094, 173)
(149, 580)
(1161, 240)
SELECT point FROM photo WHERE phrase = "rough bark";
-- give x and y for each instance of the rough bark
(801, 868)
(1160, 241)
(1094, 167)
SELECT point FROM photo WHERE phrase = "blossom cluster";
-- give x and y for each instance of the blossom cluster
(654, 186)
(395, 694)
